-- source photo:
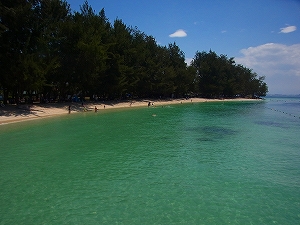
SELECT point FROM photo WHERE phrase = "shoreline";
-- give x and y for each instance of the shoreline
(13, 114)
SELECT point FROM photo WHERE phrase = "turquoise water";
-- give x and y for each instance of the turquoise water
(201, 163)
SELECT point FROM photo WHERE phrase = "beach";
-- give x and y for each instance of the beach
(25, 112)
(231, 162)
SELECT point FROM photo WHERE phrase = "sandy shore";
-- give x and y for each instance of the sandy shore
(13, 113)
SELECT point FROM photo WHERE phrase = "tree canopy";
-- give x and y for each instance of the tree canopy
(219, 76)
(47, 50)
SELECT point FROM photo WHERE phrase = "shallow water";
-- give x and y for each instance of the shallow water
(201, 163)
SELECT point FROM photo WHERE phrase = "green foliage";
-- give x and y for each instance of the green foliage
(47, 49)
(219, 76)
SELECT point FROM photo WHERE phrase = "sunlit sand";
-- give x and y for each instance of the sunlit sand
(13, 113)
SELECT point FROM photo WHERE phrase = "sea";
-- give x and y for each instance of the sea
(230, 162)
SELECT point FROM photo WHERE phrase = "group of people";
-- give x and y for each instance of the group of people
(149, 104)
(96, 109)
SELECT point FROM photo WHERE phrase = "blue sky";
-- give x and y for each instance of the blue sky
(263, 35)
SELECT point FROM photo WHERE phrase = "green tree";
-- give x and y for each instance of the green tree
(20, 69)
(219, 76)
(28, 37)
(180, 78)
(53, 15)
(46, 48)
(82, 52)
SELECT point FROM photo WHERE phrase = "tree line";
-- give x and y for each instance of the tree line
(49, 51)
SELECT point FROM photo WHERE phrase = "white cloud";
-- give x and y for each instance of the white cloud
(188, 61)
(279, 63)
(178, 33)
(288, 29)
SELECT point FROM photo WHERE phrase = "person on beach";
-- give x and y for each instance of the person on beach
(149, 103)
(69, 109)
(96, 109)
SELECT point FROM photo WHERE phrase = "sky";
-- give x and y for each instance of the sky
(263, 35)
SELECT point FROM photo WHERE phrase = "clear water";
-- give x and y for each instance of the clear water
(201, 163)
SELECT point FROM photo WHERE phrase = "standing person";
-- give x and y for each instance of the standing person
(96, 109)
(69, 109)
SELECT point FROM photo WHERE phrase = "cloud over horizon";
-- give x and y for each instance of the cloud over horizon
(178, 33)
(276, 61)
(288, 29)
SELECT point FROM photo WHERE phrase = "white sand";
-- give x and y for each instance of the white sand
(13, 113)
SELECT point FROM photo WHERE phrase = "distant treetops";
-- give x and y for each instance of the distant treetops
(46, 49)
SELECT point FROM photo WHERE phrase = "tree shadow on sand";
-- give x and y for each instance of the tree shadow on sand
(27, 110)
